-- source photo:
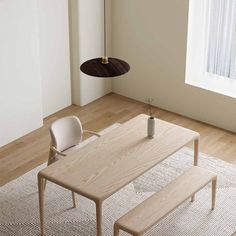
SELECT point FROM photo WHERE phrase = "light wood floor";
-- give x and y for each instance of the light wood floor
(31, 150)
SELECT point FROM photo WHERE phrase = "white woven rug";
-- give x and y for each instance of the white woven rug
(19, 213)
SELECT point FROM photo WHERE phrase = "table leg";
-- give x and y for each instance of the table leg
(196, 154)
(41, 184)
(196, 151)
(99, 217)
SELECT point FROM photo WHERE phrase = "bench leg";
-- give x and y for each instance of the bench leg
(196, 154)
(116, 230)
(213, 200)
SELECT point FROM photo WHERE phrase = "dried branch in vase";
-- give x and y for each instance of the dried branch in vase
(150, 107)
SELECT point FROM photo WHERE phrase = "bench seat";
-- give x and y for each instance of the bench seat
(152, 210)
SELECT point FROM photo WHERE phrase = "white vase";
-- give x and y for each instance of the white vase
(151, 127)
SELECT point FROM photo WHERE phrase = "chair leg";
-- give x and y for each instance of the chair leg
(49, 163)
(213, 200)
(73, 199)
(193, 198)
(116, 230)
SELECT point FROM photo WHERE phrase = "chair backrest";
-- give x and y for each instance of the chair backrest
(66, 132)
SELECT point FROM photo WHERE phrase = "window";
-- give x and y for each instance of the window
(221, 38)
(211, 52)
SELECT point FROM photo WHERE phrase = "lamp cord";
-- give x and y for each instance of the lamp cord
(105, 51)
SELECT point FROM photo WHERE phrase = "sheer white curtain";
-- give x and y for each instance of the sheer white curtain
(221, 45)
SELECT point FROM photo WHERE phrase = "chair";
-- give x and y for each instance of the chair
(66, 135)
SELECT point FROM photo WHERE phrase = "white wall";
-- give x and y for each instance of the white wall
(86, 18)
(54, 54)
(34, 64)
(152, 37)
(20, 85)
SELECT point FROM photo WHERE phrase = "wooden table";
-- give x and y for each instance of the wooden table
(103, 167)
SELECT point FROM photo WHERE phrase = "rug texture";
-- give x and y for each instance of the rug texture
(19, 211)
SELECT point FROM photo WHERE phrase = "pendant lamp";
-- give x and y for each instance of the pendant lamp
(105, 66)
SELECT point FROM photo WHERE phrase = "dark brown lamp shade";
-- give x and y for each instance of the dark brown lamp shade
(114, 67)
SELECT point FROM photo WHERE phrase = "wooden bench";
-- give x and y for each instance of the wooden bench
(152, 210)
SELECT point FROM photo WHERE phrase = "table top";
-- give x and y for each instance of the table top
(101, 168)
